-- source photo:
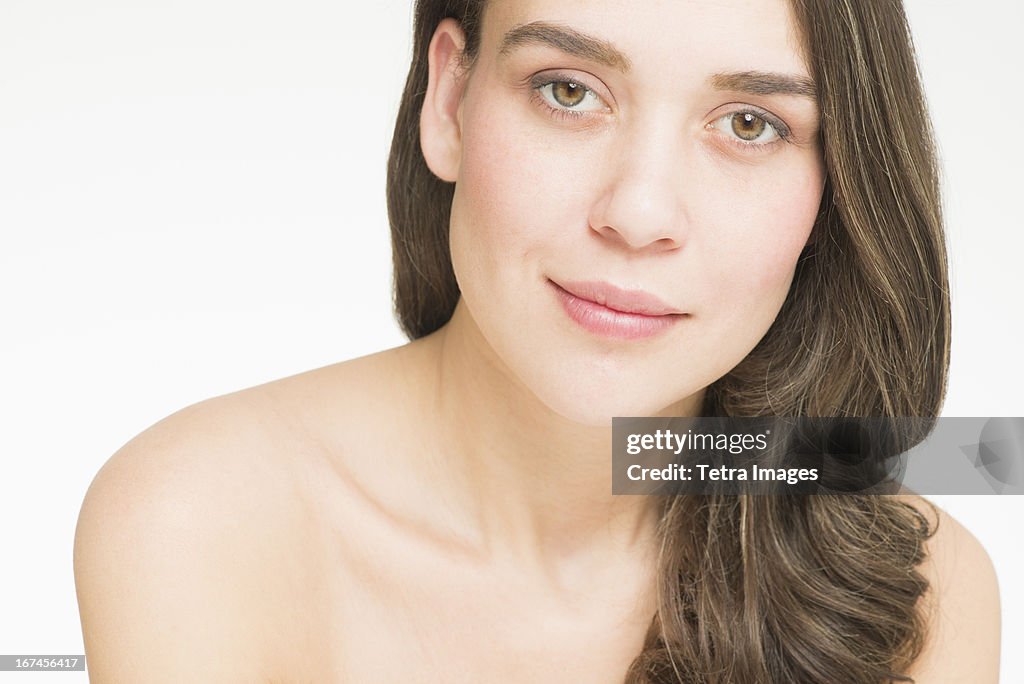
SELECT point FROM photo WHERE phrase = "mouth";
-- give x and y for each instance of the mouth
(608, 311)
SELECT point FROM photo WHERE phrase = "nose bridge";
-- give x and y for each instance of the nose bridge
(643, 201)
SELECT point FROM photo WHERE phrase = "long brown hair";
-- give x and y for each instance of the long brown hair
(779, 588)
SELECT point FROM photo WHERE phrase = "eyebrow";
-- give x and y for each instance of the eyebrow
(581, 45)
(765, 83)
(567, 40)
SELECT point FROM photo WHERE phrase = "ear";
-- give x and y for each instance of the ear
(441, 116)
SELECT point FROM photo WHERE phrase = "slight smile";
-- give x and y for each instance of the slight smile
(606, 310)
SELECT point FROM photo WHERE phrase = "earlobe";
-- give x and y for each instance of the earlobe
(440, 118)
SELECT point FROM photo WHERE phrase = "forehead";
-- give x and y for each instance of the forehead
(667, 35)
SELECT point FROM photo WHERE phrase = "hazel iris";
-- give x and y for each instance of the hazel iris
(748, 126)
(567, 93)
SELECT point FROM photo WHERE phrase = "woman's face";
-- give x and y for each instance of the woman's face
(656, 156)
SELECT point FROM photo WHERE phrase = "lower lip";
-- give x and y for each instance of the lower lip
(606, 322)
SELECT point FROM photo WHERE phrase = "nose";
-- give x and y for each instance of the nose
(642, 204)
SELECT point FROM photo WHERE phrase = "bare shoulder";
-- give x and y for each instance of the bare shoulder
(176, 535)
(199, 552)
(962, 604)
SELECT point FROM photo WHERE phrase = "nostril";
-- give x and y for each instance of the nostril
(639, 241)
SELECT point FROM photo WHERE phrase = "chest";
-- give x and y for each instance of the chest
(465, 635)
(401, 618)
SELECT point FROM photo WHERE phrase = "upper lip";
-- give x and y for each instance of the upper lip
(619, 299)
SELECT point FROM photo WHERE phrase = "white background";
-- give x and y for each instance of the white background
(192, 202)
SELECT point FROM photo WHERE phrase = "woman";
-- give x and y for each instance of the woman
(690, 208)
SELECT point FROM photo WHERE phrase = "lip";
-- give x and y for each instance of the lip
(607, 310)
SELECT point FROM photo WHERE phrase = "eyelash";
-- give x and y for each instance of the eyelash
(781, 129)
(540, 82)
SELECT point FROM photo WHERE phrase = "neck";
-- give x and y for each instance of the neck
(534, 485)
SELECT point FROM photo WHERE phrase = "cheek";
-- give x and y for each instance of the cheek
(769, 260)
(768, 234)
(510, 206)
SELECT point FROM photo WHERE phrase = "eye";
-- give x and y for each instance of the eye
(751, 128)
(567, 96)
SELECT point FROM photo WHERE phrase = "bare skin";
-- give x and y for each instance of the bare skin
(294, 532)
(321, 546)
